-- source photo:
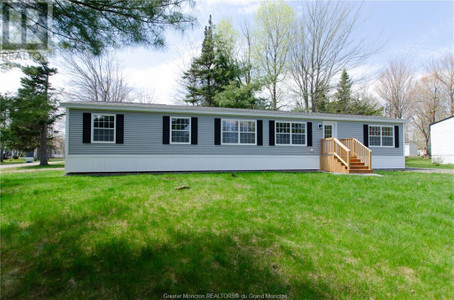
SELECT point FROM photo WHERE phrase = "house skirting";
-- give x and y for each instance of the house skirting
(388, 162)
(174, 163)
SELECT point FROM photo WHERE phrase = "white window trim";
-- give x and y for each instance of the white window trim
(239, 133)
(291, 133)
(381, 136)
(171, 130)
(93, 129)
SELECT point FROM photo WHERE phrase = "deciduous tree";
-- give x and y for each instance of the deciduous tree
(443, 71)
(322, 47)
(394, 87)
(429, 104)
(96, 78)
(272, 38)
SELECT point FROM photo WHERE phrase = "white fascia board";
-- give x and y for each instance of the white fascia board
(264, 114)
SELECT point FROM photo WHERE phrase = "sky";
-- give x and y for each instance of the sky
(415, 30)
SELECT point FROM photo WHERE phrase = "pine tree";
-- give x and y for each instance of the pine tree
(99, 25)
(34, 110)
(215, 77)
(346, 102)
(343, 96)
(200, 77)
(321, 100)
(191, 85)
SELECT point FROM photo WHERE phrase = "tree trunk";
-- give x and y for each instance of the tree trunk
(306, 101)
(452, 102)
(42, 152)
(1, 154)
(427, 142)
(42, 146)
(274, 96)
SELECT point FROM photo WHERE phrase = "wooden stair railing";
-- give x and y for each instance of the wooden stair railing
(359, 150)
(332, 148)
(345, 156)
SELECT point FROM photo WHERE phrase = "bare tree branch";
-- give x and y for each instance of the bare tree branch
(272, 39)
(429, 104)
(443, 71)
(324, 46)
(395, 85)
(96, 78)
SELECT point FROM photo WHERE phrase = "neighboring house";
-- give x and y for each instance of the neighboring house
(128, 137)
(411, 149)
(58, 147)
(442, 141)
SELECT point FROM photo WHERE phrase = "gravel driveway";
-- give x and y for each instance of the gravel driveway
(430, 171)
(27, 164)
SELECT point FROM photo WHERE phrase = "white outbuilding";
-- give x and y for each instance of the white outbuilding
(442, 141)
(411, 149)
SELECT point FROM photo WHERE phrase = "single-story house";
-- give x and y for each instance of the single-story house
(132, 137)
(442, 141)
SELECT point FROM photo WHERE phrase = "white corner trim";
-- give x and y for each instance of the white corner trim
(67, 132)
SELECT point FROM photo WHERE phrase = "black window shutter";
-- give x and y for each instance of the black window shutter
(309, 134)
(194, 131)
(165, 129)
(86, 125)
(396, 136)
(366, 135)
(271, 132)
(120, 128)
(259, 133)
(217, 131)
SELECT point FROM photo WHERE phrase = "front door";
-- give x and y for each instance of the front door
(329, 129)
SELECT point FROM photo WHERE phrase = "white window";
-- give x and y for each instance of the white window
(387, 136)
(328, 131)
(375, 136)
(238, 132)
(180, 130)
(290, 133)
(103, 128)
(381, 136)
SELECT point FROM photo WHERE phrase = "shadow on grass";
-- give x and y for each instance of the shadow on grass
(51, 259)
(50, 166)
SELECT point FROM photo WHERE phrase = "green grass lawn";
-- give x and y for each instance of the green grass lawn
(13, 161)
(23, 161)
(306, 235)
(37, 167)
(419, 162)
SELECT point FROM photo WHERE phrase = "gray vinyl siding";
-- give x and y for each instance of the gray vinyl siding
(143, 136)
(355, 130)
